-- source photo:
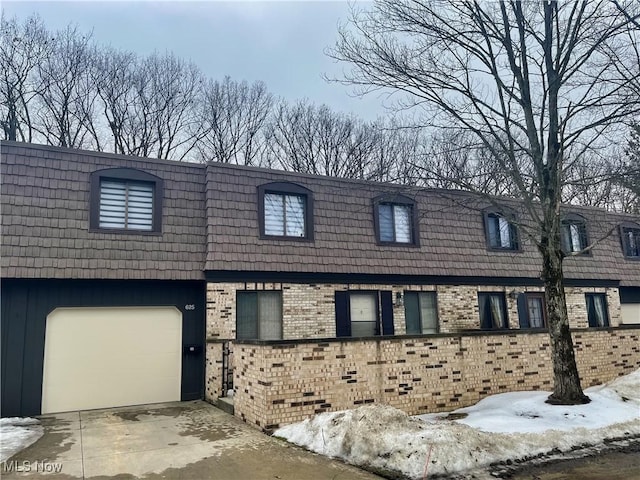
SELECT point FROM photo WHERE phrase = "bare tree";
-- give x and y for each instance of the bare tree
(23, 46)
(305, 138)
(535, 82)
(628, 173)
(232, 116)
(174, 85)
(149, 104)
(66, 96)
(121, 90)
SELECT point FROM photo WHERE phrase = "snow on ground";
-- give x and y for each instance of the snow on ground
(17, 433)
(503, 427)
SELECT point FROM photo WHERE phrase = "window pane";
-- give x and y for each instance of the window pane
(412, 313)
(494, 234)
(385, 222)
(428, 312)
(126, 205)
(576, 244)
(139, 206)
(597, 310)
(536, 314)
(631, 239)
(270, 315)
(247, 315)
(113, 204)
(295, 216)
(492, 310)
(505, 233)
(273, 214)
(363, 312)
(402, 216)
(497, 312)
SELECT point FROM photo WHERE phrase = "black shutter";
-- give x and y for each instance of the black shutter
(343, 322)
(485, 311)
(591, 311)
(386, 299)
(523, 311)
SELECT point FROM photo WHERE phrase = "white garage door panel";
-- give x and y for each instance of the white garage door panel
(630, 313)
(108, 357)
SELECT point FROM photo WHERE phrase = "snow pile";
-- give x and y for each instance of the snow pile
(503, 427)
(16, 434)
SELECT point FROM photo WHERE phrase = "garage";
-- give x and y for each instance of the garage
(99, 357)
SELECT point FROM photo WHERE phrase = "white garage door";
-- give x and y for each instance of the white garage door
(630, 313)
(109, 357)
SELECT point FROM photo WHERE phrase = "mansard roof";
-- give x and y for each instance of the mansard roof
(210, 228)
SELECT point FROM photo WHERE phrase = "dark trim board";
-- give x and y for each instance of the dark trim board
(26, 304)
(314, 278)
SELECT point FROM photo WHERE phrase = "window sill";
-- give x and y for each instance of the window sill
(284, 238)
(123, 231)
(397, 244)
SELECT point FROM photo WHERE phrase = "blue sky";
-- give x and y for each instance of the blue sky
(281, 43)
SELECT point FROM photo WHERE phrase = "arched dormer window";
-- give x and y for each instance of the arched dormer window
(500, 231)
(125, 200)
(395, 220)
(285, 211)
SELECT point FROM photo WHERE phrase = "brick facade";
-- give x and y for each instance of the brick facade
(277, 383)
(309, 311)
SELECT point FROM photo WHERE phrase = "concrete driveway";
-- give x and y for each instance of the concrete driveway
(185, 440)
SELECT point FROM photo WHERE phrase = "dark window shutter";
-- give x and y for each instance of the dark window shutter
(386, 299)
(343, 323)
(591, 311)
(484, 304)
(412, 313)
(523, 311)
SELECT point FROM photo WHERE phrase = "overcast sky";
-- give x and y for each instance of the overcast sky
(281, 43)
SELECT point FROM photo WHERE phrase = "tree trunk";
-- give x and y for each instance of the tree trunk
(566, 381)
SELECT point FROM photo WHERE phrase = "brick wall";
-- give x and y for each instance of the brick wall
(309, 312)
(213, 371)
(283, 382)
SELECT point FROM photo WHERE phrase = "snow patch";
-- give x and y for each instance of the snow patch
(502, 427)
(16, 434)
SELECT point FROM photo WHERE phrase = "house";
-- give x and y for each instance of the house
(131, 280)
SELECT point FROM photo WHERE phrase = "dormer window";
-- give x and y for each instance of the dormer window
(501, 232)
(573, 233)
(395, 220)
(285, 211)
(125, 200)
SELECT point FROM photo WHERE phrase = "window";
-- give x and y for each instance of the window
(531, 310)
(573, 232)
(420, 312)
(493, 310)
(259, 315)
(630, 234)
(364, 313)
(501, 233)
(395, 220)
(126, 201)
(286, 211)
(597, 310)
